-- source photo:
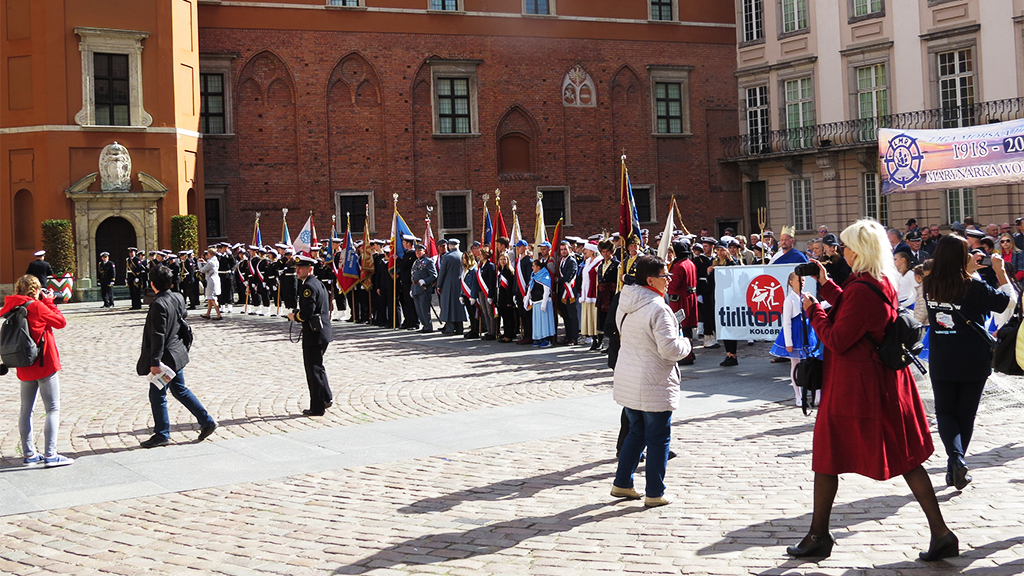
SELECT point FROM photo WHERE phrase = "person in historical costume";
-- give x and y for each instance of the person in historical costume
(607, 286)
(682, 291)
(539, 304)
(523, 273)
(790, 343)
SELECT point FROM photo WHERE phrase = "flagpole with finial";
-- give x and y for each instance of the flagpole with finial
(394, 254)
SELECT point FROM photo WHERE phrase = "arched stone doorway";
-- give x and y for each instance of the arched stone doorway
(115, 235)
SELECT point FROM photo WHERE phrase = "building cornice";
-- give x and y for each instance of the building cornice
(950, 32)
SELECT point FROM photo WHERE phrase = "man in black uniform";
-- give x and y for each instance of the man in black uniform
(286, 278)
(566, 295)
(189, 278)
(411, 317)
(271, 278)
(224, 265)
(40, 268)
(524, 271)
(241, 278)
(105, 275)
(314, 314)
(135, 278)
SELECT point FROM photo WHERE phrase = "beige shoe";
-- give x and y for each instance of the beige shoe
(630, 493)
(663, 500)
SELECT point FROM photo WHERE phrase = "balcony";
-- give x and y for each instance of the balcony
(863, 133)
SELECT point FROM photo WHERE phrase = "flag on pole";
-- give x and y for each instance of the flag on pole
(328, 250)
(349, 273)
(666, 236)
(313, 226)
(488, 227)
(556, 237)
(517, 234)
(629, 220)
(499, 232)
(306, 238)
(257, 238)
(367, 267)
(539, 232)
(398, 229)
(286, 238)
(429, 243)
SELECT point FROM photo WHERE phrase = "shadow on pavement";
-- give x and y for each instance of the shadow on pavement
(435, 548)
(510, 489)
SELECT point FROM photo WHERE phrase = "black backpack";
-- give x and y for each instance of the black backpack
(903, 339)
(17, 349)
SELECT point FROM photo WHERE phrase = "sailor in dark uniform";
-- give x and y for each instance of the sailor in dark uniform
(40, 268)
(171, 261)
(404, 265)
(225, 263)
(271, 277)
(314, 315)
(189, 278)
(105, 275)
(135, 277)
(286, 278)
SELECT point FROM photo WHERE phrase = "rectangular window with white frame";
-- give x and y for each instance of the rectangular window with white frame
(800, 112)
(956, 87)
(542, 7)
(794, 16)
(670, 99)
(355, 206)
(758, 119)
(753, 20)
(959, 204)
(875, 204)
(455, 209)
(646, 207)
(345, 3)
(663, 10)
(800, 197)
(867, 7)
(454, 97)
(446, 5)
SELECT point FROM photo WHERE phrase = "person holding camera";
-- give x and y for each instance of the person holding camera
(871, 420)
(315, 315)
(41, 377)
(962, 360)
(162, 346)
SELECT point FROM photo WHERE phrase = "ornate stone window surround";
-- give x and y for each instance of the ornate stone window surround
(670, 74)
(221, 64)
(110, 41)
(455, 69)
(859, 57)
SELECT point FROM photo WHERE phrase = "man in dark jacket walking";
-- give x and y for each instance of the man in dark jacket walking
(162, 347)
(315, 316)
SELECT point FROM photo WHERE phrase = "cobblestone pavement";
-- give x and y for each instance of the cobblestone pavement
(743, 486)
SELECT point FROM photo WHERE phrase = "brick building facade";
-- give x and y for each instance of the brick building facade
(330, 110)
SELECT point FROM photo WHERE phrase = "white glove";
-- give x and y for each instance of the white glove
(490, 301)
(423, 282)
(544, 306)
(700, 299)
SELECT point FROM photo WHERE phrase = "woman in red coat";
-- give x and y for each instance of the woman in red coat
(682, 290)
(871, 420)
(39, 378)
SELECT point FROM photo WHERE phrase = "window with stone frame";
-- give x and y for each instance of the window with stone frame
(800, 197)
(348, 3)
(865, 7)
(110, 82)
(555, 201)
(662, 10)
(452, 5)
(794, 15)
(212, 119)
(643, 200)
(799, 94)
(216, 225)
(758, 119)
(454, 221)
(537, 7)
(753, 20)
(875, 204)
(355, 207)
(959, 204)
(956, 87)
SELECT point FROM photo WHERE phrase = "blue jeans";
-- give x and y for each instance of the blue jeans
(49, 389)
(653, 429)
(158, 400)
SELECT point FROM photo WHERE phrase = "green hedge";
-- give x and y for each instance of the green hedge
(59, 243)
(184, 233)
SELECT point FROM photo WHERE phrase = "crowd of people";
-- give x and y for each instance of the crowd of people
(643, 309)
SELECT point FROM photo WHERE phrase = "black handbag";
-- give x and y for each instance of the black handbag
(1004, 358)
(810, 371)
(903, 339)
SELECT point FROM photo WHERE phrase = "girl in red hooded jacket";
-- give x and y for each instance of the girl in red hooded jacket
(40, 377)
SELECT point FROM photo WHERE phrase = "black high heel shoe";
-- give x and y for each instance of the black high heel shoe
(820, 547)
(946, 547)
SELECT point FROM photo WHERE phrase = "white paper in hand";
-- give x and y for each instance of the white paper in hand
(164, 377)
(680, 315)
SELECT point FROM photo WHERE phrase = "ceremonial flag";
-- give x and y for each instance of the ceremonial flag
(629, 220)
(286, 238)
(517, 234)
(368, 266)
(313, 227)
(666, 236)
(429, 243)
(540, 234)
(499, 232)
(306, 238)
(328, 251)
(398, 229)
(488, 228)
(349, 273)
(257, 238)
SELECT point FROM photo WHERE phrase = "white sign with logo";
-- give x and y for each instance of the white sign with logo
(748, 301)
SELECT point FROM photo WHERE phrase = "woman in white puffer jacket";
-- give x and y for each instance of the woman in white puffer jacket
(646, 380)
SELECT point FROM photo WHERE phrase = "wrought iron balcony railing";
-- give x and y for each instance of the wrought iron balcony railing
(852, 133)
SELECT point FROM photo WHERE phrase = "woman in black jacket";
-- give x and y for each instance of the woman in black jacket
(506, 298)
(960, 355)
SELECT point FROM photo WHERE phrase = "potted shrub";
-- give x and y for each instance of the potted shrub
(59, 243)
(184, 233)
